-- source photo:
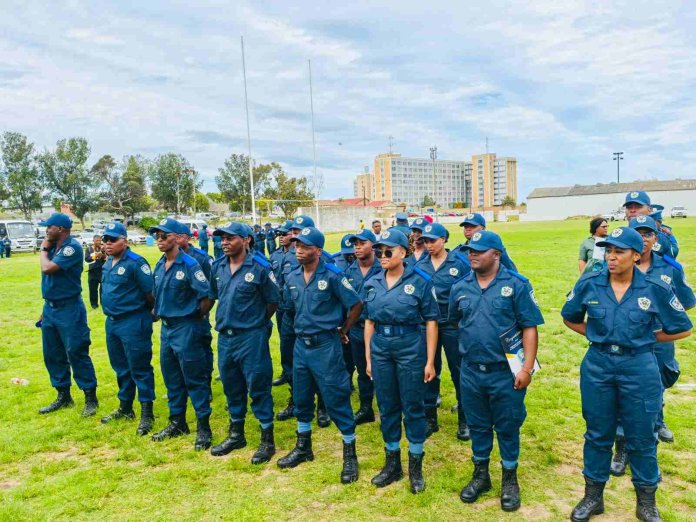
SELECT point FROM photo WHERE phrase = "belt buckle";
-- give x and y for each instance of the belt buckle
(307, 341)
(615, 349)
(387, 330)
(483, 367)
(229, 332)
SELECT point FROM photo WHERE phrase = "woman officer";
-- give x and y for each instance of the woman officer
(399, 300)
(627, 313)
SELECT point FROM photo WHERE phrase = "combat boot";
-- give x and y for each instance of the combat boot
(391, 472)
(124, 411)
(91, 403)
(463, 432)
(365, 414)
(480, 482)
(350, 463)
(510, 491)
(323, 419)
(618, 462)
(266, 447)
(147, 419)
(431, 422)
(235, 440)
(63, 400)
(415, 472)
(176, 428)
(302, 452)
(665, 434)
(646, 509)
(591, 504)
(288, 412)
(283, 379)
(204, 435)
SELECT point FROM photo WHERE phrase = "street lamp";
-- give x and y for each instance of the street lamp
(618, 156)
(433, 156)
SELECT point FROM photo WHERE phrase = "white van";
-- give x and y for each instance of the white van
(195, 225)
(21, 234)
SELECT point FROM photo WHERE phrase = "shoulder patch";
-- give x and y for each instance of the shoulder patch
(189, 261)
(518, 276)
(673, 262)
(132, 255)
(422, 273)
(260, 260)
(333, 268)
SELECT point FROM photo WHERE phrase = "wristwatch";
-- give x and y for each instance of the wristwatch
(45, 249)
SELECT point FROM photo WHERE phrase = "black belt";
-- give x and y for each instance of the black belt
(615, 349)
(317, 339)
(489, 367)
(118, 317)
(173, 321)
(396, 330)
(57, 303)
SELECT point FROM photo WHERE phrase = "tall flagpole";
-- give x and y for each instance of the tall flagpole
(314, 146)
(251, 167)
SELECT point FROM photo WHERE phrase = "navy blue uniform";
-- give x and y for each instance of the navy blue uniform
(217, 247)
(206, 263)
(125, 286)
(184, 334)
(320, 306)
(619, 376)
(665, 245)
(270, 241)
(203, 239)
(243, 352)
(487, 385)
(260, 242)
(286, 312)
(64, 329)
(505, 258)
(398, 351)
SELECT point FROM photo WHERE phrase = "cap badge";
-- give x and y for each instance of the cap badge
(469, 216)
(385, 235)
(305, 231)
(617, 232)
(428, 228)
(476, 236)
(163, 222)
(347, 242)
(300, 219)
(111, 226)
(634, 194)
(641, 219)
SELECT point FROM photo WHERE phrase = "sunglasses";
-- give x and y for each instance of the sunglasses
(161, 235)
(109, 239)
(384, 253)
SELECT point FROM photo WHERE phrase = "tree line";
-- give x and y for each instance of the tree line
(29, 178)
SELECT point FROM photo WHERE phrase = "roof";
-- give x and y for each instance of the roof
(355, 202)
(613, 188)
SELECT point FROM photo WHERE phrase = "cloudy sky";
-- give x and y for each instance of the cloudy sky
(559, 85)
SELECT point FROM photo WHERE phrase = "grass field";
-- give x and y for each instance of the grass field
(64, 467)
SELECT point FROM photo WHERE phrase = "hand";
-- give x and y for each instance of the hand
(368, 369)
(522, 380)
(344, 335)
(155, 318)
(40, 318)
(429, 373)
(46, 243)
(666, 231)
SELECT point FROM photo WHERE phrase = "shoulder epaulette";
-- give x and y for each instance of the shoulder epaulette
(133, 255)
(188, 260)
(333, 268)
(518, 276)
(335, 255)
(328, 258)
(261, 260)
(462, 258)
(422, 273)
(658, 281)
(202, 252)
(673, 262)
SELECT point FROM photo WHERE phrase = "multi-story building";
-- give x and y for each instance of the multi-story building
(362, 186)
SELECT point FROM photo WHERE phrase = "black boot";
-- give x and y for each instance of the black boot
(124, 411)
(665, 434)
(463, 430)
(204, 435)
(283, 379)
(235, 440)
(391, 472)
(480, 482)
(302, 452)
(147, 419)
(510, 492)
(365, 414)
(646, 509)
(91, 403)
(431, 421)
(176, 428)
(63, 400)
(266, 447)
(288, 412)
(323, 419)
(591, 504)
(350, 463)
(415, 472)
(618, 462)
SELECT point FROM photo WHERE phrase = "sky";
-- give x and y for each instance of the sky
(559, 85)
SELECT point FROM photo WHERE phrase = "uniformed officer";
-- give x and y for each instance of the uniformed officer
(248, 296)
(182, 301)
(217, 246)
(402, 223)
(259, 239)
(665, 229)
(495, 307)
(270, 238)
(362, 270)
(476, 223)
(400, 340)
(64, 329)
(127, 302)
(637, 203)
(2, 246)
(346, 256)
(320, 294)
(7, 246)
(277, 259)
(203, 238)
(416, 241)
(627, 313)
(444, 269)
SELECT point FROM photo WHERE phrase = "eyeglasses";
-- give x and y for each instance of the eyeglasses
(646, 234)
(384, 253)
(161, 235)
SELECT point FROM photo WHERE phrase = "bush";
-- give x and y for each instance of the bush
(146, 222)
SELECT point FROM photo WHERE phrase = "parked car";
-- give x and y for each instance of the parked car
(135, 238)
(615, 215)
(86, 236)
(21, 234)
(195, 225)
(678, 212)
(205, 215)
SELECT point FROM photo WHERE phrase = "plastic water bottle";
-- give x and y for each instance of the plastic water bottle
(19, 381)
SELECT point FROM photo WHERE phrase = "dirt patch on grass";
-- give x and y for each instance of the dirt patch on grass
(9, 484)
(57, 456)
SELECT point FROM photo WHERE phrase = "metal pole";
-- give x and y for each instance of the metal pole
(251, 167)
(618, 156)
(433, 156)
(314, 145)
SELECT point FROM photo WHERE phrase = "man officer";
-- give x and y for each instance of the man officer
(346, 256)
(203, 238)
(320, 294)
(402, 223)
(476, 223)
(182, 301)
(64, 329)
(259, 239)
(270, 235)
(637, 203)
(248, 296)
(127, 301)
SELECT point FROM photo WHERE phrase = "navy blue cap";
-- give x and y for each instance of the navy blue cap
(116, 230)
(310, 236)
(256, 225)
(392, 238)
(474, 219)
(267, 225)
(347, 246)
(205, 225)
(419, 224)
(657, 215)
(655, 206)
(435, 231)
(57, 219)
(363, 235)
(643, 222)
(233, 229)
(168, 226)
(401, 217)
(301, 222)
(623, 237)
(285, 227)
(249, 230)
(184, 229)
(637, 196)
(484, 240)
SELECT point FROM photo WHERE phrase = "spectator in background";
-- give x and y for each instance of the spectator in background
(377, 229)
(591, 257)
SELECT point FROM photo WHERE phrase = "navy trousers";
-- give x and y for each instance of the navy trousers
(286, 331)
(447, 338)
(366, 387)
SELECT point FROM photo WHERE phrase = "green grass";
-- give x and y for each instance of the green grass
(63, 467)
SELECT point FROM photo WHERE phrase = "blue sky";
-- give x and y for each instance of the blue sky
(559, 85)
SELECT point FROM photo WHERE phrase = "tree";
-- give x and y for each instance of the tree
(65, 174)
(428, 201)
(508, 201)
(202, 202)
(20, 179)
(123, 185)
(289, 193)
(216, 197)
(233, 181)
(173, 180)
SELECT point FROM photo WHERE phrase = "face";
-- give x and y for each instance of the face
(284, 239)
(349, 258)
(363, 250)
(306, 254)
(97, 241)
(182, 240)
(233, 245)
(294, 232)
(165, 241)
(397, 254)
(434, 246)
(649, 239)
(377, 228)
(636, 209)
(620, 260)
(416, 234)
(53, 233)
(115, 246)
(470, 230)
(602, 230)
(483, 261)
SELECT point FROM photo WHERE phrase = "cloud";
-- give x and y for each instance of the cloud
(92, 36)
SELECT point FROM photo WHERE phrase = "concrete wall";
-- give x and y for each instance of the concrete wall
(343, 219)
